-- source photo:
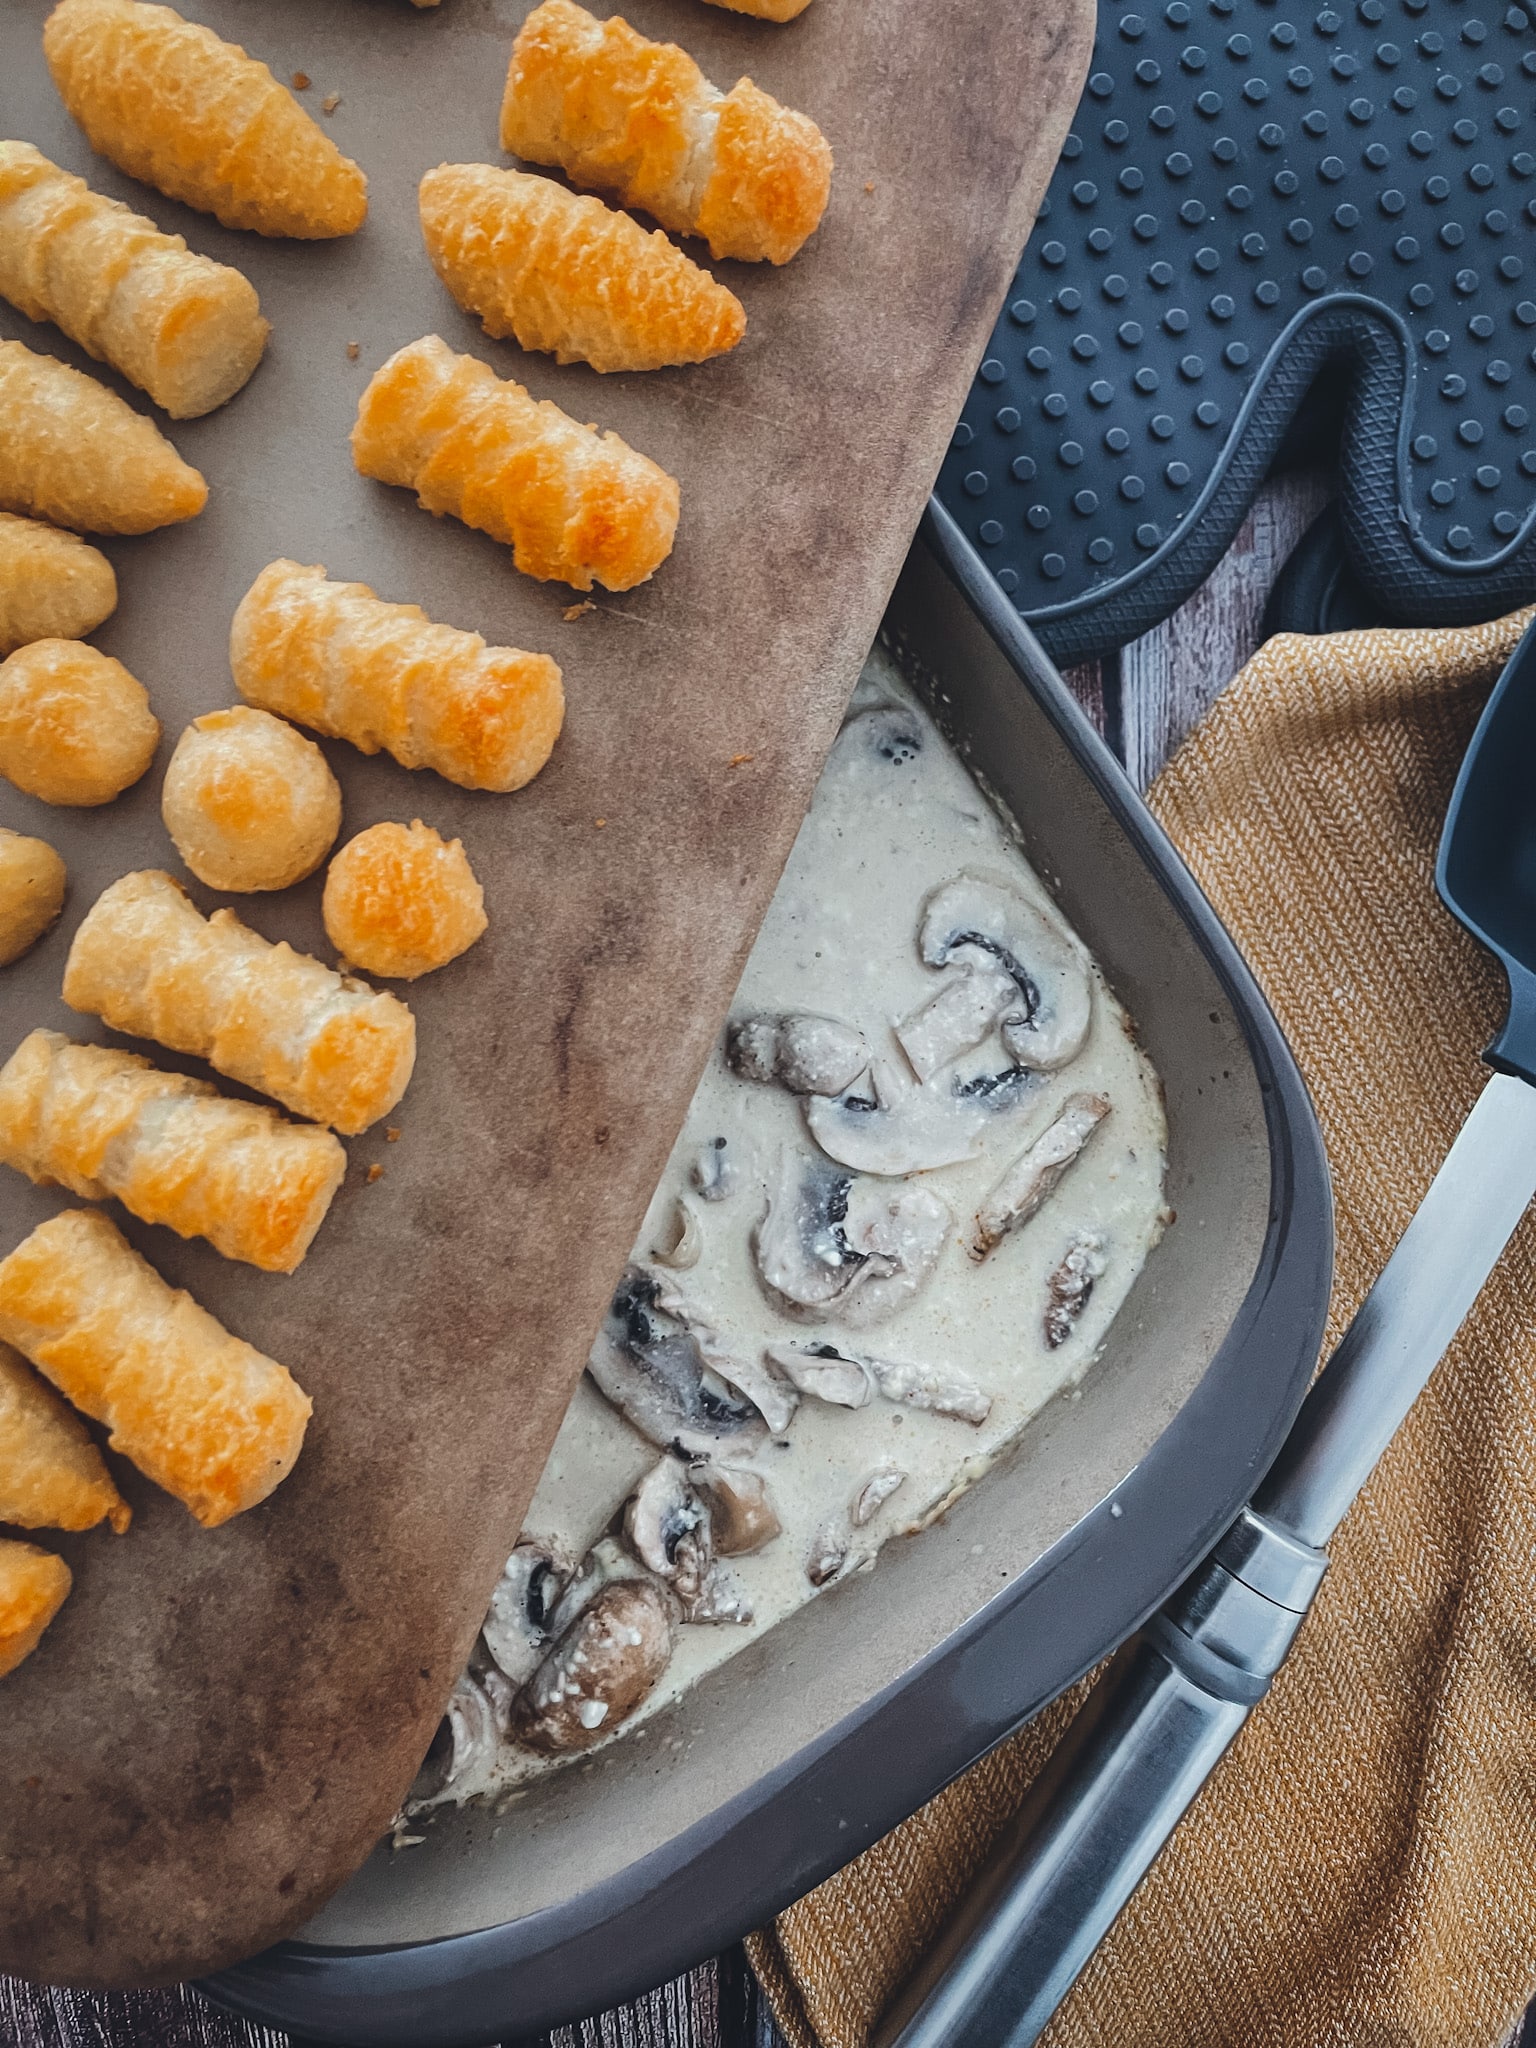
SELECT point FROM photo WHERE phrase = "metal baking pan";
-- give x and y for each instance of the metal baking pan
(814, 1741)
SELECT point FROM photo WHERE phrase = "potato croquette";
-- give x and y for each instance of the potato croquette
(34, 1584)
(566, 274)
(53, 586)
(200, 1412)
(173, 104)
(185, 329)
(399, 902)
(345, 663)
(75, 727)
(76, 454)
(148, 963)
(31, 893)
(51, 1474)
(171, 1149)
(250, 803)
(571, 503)
(640, 119)
(765, 10)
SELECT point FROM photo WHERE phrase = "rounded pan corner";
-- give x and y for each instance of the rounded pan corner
(792, 1828)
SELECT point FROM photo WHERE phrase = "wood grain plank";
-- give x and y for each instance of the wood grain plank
(718, 2005)
(1091, 683)
(1171, 676)
(682, 2014)
(35, 2016)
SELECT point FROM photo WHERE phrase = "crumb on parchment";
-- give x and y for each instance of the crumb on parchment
(578, 611)
(599, 823)
(375, 1172)
(354, 350)
(391, 1134)
(302, 81)
(330, 103)
(738, 761)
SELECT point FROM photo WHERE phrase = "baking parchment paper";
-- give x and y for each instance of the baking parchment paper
(219, 1724)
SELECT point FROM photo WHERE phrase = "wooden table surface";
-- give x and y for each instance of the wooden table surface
(1144, 700)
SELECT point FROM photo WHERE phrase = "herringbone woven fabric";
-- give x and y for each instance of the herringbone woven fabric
(1361, 1871)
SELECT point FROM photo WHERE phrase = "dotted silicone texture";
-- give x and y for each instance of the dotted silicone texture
(1252, 190)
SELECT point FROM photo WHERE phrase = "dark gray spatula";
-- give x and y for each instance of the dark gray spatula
(1159, 1722)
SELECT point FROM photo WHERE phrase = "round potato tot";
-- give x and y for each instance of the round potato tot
(250, 803)
(75, 726)
(399, 902)
(31, 892)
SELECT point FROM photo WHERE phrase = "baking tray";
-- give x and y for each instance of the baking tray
(815, 1740)
(220, 1723)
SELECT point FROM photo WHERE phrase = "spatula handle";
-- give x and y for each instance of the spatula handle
(1410, 1316)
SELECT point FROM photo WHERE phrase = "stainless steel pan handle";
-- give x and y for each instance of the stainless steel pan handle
(1113, 1793)
(1151, 1733)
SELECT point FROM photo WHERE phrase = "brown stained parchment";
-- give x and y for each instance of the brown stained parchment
(219, 1724)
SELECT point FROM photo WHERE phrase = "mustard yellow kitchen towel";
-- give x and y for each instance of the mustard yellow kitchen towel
(1361, 1871)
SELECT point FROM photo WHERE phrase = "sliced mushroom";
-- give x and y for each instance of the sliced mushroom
(517, 1625)
(682, 1241)
(982, 920)
(892, 1126)
(845, 1378)
(888, 1126)
(1069, 1287)
(1037, 1172)
(874, 1493)
(742, 1517)
(650, 1366)
(431, 1781)
(803, 1255)
(827, 1558)
(939, 1389)
(832, 1250)
(774, 1398)
(713, 1174)
(668, 1528)
(465, 1742)
(498, 1689)
(902, 1232)
(825, 1374)
(722, 1598)
(599, 1670)
(449, 1759)
(806, 1054)
(970, 1002)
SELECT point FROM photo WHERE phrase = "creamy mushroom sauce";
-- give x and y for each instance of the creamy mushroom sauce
(896, 818)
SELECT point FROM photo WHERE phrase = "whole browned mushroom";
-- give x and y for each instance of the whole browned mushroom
(599, 1670)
